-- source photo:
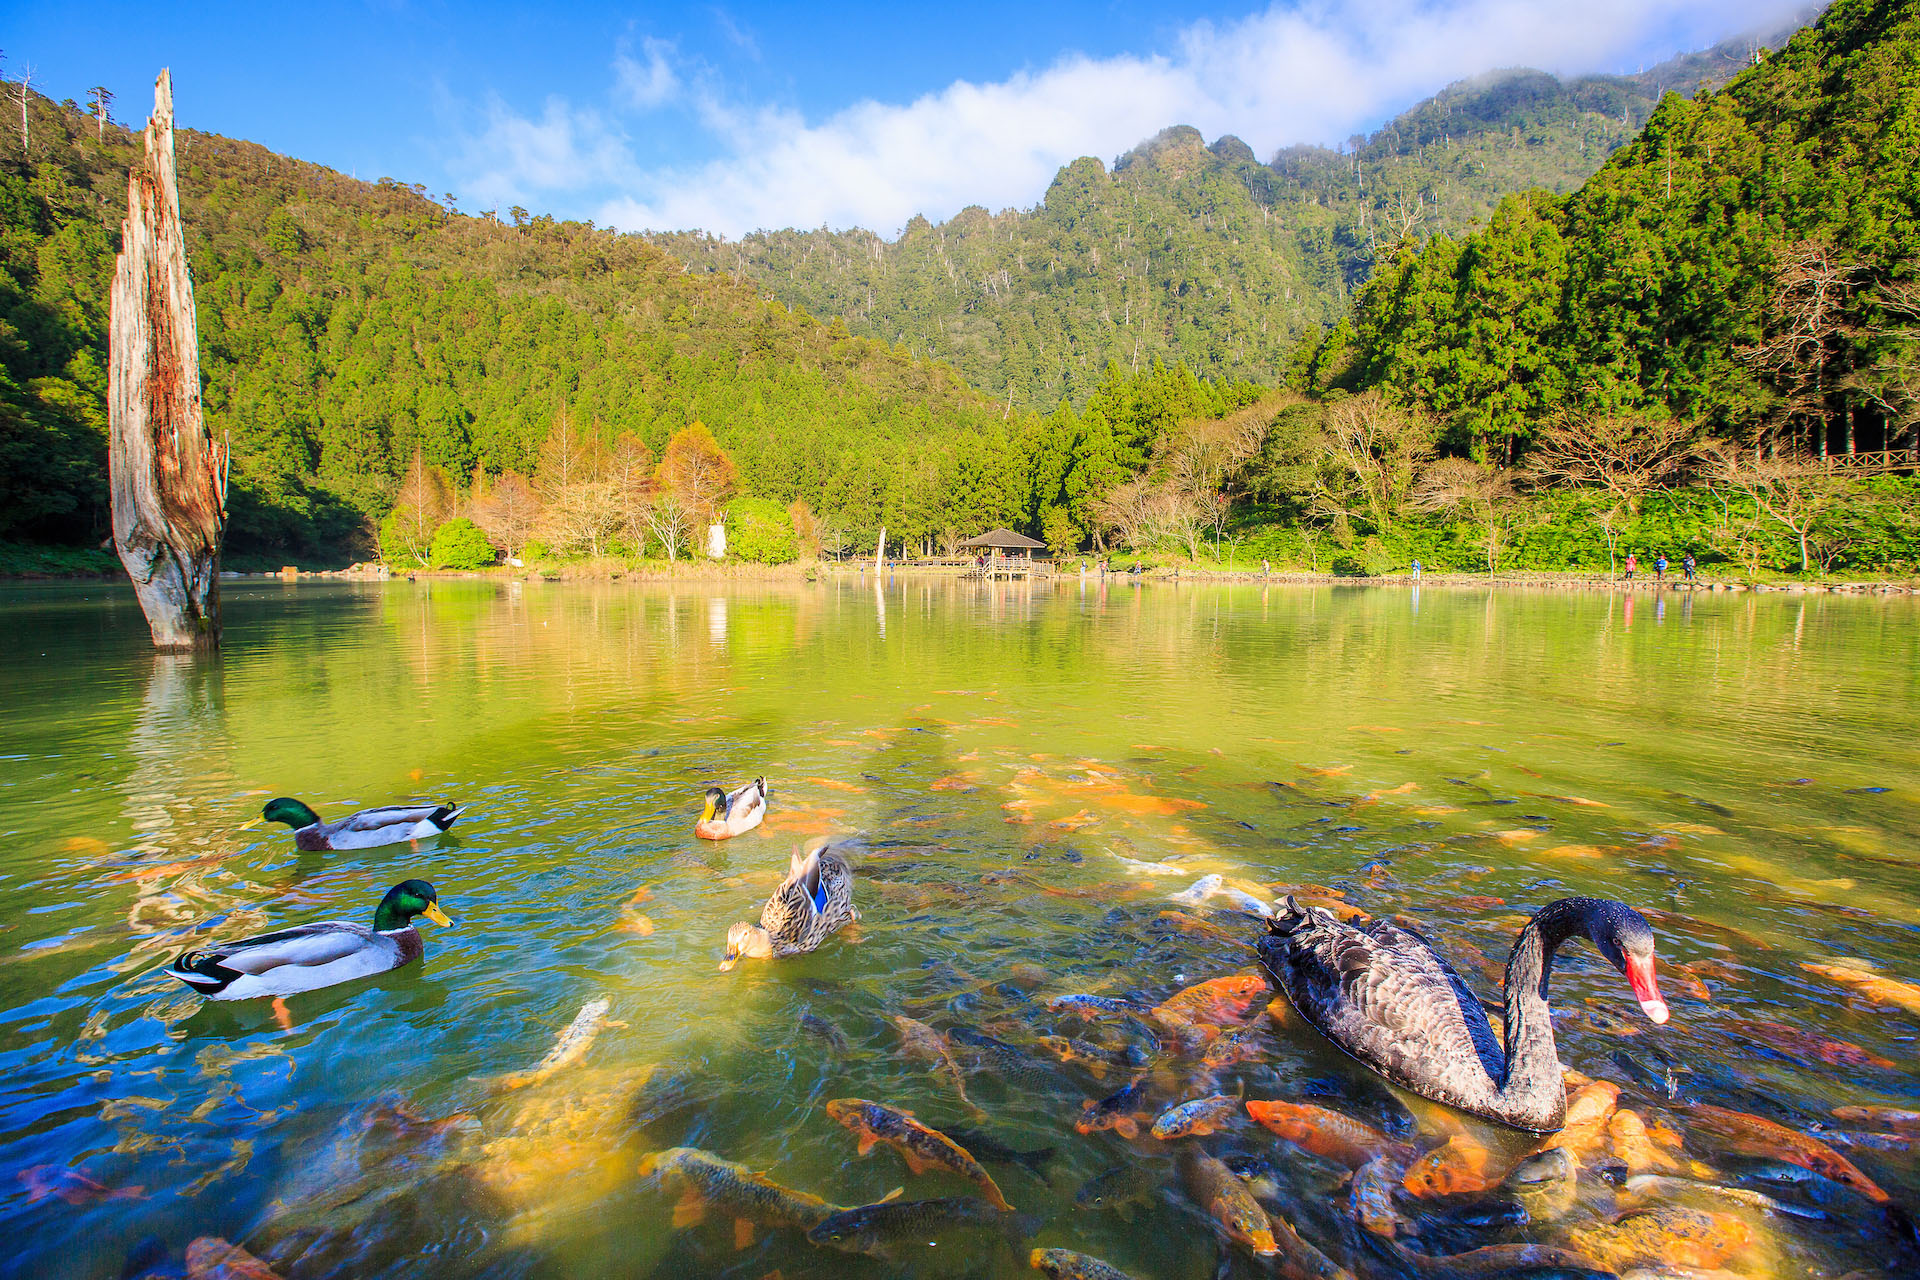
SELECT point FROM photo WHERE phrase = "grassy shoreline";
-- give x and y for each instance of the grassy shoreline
(20, 563)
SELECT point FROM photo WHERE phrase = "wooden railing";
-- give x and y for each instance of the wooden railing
(1874, 463)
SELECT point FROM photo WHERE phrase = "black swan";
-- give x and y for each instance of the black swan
(1385, 997)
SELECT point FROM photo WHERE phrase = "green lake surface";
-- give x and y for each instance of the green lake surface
(1744, 769)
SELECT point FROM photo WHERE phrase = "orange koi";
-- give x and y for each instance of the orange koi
(1665, 1234)
(1886, 1117)
(1459, 1166)
(1196, 1011)
(835, 784)
(1870, 986)
(1744, 1134)
(1331, 1135)
(954, 782)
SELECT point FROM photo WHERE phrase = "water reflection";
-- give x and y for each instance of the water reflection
(1034, 770)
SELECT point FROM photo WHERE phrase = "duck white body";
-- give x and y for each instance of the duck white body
(733, 813)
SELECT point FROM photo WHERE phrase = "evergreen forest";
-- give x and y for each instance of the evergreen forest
(1529, 323)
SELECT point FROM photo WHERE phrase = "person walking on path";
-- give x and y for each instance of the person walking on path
(1632, 564)
(1416, 571)
(1688, 566)
(1660, 568)
(1266, 568)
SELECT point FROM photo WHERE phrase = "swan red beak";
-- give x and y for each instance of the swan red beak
(1646, 988)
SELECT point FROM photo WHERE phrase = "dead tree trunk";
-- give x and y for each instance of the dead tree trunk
(168, 477)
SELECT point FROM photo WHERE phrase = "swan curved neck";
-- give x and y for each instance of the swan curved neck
(1532, 1058)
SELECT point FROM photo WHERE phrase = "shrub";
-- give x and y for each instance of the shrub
(459, 544)
(761, 530)
(396, 548)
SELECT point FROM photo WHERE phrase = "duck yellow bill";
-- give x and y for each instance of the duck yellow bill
(253, 824)
(435, 914)
(733, 958)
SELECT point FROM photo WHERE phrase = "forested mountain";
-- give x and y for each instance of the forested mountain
(1194, 253)
(346, 324)
(1749, 264)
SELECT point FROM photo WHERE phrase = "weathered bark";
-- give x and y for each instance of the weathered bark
(168, 476)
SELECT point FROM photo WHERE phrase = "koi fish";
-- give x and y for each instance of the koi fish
(923, 1148)
(1119, 1111)
(880, 1229)
(1205, 928)
(1460, 1165)
(1652, 1184)
(1195, 1118)
(1119, 1189)
(1752, 1136)
(567, 1050)
(1331, 1135)
(1088, 1007)
(1870, 986)
(706, 1182)
(72, 1186)
(1896, 1120)
(1500, 1260)
(1215, 1189)
(1800, 1044)
(1144, 868)
(923, 1044)
(1238, 1045)
(1370, 1197)
(1670, 1234)
(211, 1258)
(835, 1038)
(1065, 1264)
(1194, 1011)
(987, 1147)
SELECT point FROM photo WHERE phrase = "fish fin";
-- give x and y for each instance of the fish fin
(865, 1144)
(1201, 1129)
(894, 1194)
(1126, 1127)
(916, 1165)
(742, 1233)
(689, 1210)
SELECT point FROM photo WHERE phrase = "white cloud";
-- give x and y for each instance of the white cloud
(516, 159)
(1315, 72)
(649, 84)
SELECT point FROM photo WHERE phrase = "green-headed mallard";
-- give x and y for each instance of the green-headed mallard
(310, 956)
(815, 899)
(732, 815)
(367, 829)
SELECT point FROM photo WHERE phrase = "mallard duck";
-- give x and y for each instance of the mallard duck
(816, 899)
(732, 815)
(364, 830)
(310, 956)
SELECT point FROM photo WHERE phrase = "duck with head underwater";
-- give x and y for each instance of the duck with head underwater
(310, 956)
(732, 814)
(368, 829)
(814, 901)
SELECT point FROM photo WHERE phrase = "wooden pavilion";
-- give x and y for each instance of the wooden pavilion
(1008, 554)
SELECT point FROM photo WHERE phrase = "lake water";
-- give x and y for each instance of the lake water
(1745, 769)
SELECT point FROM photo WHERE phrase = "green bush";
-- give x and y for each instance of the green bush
(396, 549)
(459, 544)
(760, 530)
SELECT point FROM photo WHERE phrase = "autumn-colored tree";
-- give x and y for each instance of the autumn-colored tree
(1481, 493)
(424, 499)
(569, 457)
(508, 511)
(698, 471)
(806, 528)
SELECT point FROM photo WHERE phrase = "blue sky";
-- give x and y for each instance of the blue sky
(731, 117)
